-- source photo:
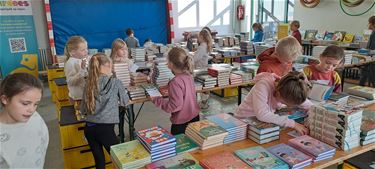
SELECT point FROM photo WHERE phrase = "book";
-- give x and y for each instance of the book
(182, 161)
(185, 144)
(320, 92)
(338, 36)
(226, 121)
(348, 38)
(155, 136)
(363, 161)
(263, 136)
(339, 97)
(311, 146)
(259, 158)
(260, 127)
(328, 36)
(151, 90)
(362, 91)
(130, 154)
(223, 160)
(310, 34)
(207, 129)
(290, 155)
(267, 140)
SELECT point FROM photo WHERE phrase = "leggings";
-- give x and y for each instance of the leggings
(180, 128)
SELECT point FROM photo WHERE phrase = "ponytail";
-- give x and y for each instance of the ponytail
(189, 66)
(294, 87)
(180, 59)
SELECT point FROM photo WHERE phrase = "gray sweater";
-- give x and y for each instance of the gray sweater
(112, 93)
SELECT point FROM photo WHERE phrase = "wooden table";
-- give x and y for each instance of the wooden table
(238, 56)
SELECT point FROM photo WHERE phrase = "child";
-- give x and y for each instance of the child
(131, 41)
(294, 26)
(75, 67)
(325, 72)
(102, 96)
(279, 60)
(120, 54)
(270, 93)
(201, 56)
(182, 102)
(23, 133)
(258, 35)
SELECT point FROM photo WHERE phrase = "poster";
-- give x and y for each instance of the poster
(18, 49)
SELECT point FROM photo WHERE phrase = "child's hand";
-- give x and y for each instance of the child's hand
(84, 63)
(153, 98)
(301, 129)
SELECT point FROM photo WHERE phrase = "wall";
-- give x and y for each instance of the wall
(329, 16)
(40, 23)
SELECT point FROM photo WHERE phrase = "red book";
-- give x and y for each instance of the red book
(223, 160)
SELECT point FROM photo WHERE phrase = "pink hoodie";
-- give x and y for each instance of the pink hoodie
(262, 103)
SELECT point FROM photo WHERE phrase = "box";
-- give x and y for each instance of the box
(71, 129)
(81, 157)
(226, 92)
(54, 72)
(61, 89)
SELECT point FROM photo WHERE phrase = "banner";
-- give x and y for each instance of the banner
(18, 49)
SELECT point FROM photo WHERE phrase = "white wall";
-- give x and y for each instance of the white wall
(39, 17)
(329, 16)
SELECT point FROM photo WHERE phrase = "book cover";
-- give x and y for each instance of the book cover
(226, 121)
(185, 144)
(267, 140)
(223, 160)
(155, 136)
(362, 91)
(348, 38)
(259, 158)
(151, 90)
(289, 154)
(338, 36)
(129, 153)
(206, 128)
(260, 127)
(182, 161)
(320, 92)
(328, 36)
(311, 145)
(310, 34)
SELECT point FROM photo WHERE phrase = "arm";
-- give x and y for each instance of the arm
(122, 93)
(75, 74)
(175, 101)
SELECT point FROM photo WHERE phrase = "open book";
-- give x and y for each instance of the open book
(320, 92)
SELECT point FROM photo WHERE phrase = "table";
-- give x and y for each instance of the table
(238, 56)
(131, 117)
(308, 46)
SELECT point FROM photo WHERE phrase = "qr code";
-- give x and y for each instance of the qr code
(17, 45)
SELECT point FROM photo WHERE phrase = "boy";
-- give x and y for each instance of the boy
(279, 59)
(367, 72)
(131, 41)
(325, 72)
(294, 26)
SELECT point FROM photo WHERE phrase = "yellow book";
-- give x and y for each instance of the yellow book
(348, 38)
(129, 154)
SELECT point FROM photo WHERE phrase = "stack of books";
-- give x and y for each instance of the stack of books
(246, 35)
(294, 158)
(261, 132)
(122, 73)
(130, 155)
(185, 144)
(241, 37)
(258, 157)
(151, 90)
(150, 57)
(223, 160)
(161, 74)
(339, 98)
(236, 128)
(313, 147)
(198, 86)
(368, 127)
(236, 41)
(221, 73)
(138, 78)
(230, 40)
(249, 67)
(246, 77)
(207, 81)
(206, 134)
(136, 92)
(138, 54)
(246, 47)
(181, 161)
(235, 79)
(219, 41)
(335, 124)
(362, 91)
(158, 141)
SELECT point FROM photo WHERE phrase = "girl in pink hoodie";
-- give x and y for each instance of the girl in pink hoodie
(270, 93)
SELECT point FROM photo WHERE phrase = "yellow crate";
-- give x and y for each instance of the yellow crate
(346, 165)
(53, 73)
(52, 88)
(81, 158)
(71, 130)
(228, 92)
(61, 89)
(59, 105)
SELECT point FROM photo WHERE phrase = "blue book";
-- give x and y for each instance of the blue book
(226, 121)
(290, 155)
(259, 158)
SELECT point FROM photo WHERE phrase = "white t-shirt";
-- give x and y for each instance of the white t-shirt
(24, 145)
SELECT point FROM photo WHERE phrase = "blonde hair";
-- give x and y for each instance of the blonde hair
(295, 23)
(180, 59)
(92, 89)
(288, 47)
(116, 45)
(73, 44)
(206, 37)
(294, 87)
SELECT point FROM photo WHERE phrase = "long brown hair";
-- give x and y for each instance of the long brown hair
(206, 37)
(73, 44)
(92, 89)
(294, 87)
(180, 59)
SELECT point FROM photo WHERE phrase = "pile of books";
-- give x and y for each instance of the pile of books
(122, 73)
(249, 67)
(206, 134)
(258, 157)
(235, 78)
(185, 144)
(246, 47)
(293, 157)
(138, 54)
(136, 92)
(161, 74)
(221, 73)
(138, 78)
(183, 161)
(151, 90)
(241, 37)
(362, 91)
(236, 128)
(219, 41)
(130, 155)
(246, 77)
(158, 141)
(198, 86)
(261, 132)
(246, 35)
(336, 124)
(368, 127)
(313, 147)
(223, 160)
(207, 81)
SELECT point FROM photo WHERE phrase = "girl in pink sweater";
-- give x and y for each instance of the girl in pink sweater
(182, 101)
(270, 93)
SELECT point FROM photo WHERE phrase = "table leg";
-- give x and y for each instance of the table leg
(121, 124)
(239, 92)
(130, 110)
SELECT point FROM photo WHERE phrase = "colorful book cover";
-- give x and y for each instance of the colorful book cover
(206, 128)
(185, 144)
(259, 126)
(259, 158)
(226, 121)
(348, 38)
(311, 145)
(328, 36)
(368, 127)
(182, 161)
(129, 152)
(224, 160)
(289, 154)
(155, 136)
(310, 34)
(338, 35)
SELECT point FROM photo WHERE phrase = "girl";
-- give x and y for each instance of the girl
(271, 93)
(182, 102)
(100, 102)
(120, 54)
(23, 133)
(258, 35)
(75, 66)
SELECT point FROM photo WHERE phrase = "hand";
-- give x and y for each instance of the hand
(154, 98)
(84, 63)
(301, 129)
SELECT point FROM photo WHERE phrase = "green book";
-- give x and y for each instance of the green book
(185, 144)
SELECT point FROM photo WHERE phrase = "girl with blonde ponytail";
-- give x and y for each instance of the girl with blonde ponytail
(102, 96)
(182, 102)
